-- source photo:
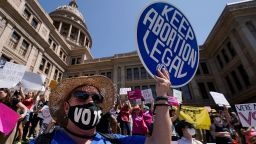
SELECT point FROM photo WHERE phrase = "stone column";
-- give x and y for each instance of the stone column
(5, 36)
(84, 40)
(52, 71)
(30, 19)
(220, 85)
(70, 29)
(247, 66)
(78, 36)
(19, 44)
(58, 49)
(30, 57)
(84, 57)
(122, 84)
(38, 61)
(60, 26)
(248, 38)
(195, 90)
(115, 74)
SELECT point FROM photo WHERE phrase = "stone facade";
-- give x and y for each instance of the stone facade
(58, 45)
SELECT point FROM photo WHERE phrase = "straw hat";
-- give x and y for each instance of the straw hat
(59, 94)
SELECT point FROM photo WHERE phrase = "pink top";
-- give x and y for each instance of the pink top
(147, 115)
(249, 134)
(28, 102)
(125, 113)
(139, 125)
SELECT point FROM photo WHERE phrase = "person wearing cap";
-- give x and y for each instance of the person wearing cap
(186, 131)
(76, 104)
(148, 116)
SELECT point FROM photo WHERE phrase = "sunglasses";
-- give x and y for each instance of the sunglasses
(97, 98)
(3, 89)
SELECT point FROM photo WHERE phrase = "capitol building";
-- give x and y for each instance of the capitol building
(59, 44)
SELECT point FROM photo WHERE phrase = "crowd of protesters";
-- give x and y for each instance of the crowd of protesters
(122, 118)
(34, 114)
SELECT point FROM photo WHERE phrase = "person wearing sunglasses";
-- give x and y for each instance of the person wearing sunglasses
(77, 104)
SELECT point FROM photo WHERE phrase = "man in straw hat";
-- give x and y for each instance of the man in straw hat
(76, 104)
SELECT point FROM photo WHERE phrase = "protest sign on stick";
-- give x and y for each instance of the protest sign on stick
(173, 101)
(247, 114)
(198, 116)
(147, 95)
(8, 119)
(219, 99)
(135, 94)
(11, 74)
(33, 81)
(178, 95)
(159, 43)
(123, 91)
(53, 84)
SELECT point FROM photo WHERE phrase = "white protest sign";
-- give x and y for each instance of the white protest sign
(147, 95)
(123, 91)
(247, 114)
(33, 81)
(11, 74)
(219, 99)
(178, 95)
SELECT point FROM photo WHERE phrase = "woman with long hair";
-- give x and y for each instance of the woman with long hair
(14, 103)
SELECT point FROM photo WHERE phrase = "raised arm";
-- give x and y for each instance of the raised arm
(162, 124)
(23, 108)
(226, 114)
(22, 93)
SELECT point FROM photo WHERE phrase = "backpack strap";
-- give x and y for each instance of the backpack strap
(110, 137)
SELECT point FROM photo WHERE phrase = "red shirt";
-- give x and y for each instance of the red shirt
(28, 102)
(124, 113)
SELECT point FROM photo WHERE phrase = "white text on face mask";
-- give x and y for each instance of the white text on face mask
(82, 113)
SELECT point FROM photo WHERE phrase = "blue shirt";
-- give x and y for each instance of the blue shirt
(60, 137)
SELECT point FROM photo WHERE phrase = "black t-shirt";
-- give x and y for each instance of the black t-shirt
(13, 103)
(222, 140)
(41, 104)
(104, 124)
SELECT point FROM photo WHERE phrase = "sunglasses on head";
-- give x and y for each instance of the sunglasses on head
(97, 98)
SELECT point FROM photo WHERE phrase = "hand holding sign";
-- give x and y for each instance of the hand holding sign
(8, 119)
(163, 82)
(247, 114)
(219, 99)
(147, 95)
(135, 94)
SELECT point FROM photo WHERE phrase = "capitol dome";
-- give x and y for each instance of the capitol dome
(70, 22)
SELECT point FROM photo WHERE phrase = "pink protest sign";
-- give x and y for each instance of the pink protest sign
(135, 94)
(173, 101)
(8, 119)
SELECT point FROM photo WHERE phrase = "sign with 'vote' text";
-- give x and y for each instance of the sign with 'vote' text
(165, 38)
(247, 114)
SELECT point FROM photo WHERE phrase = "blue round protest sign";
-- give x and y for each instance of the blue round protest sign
(165, 38)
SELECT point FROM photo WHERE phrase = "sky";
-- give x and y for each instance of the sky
(112, 23)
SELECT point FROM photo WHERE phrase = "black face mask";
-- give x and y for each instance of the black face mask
(85, 116)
